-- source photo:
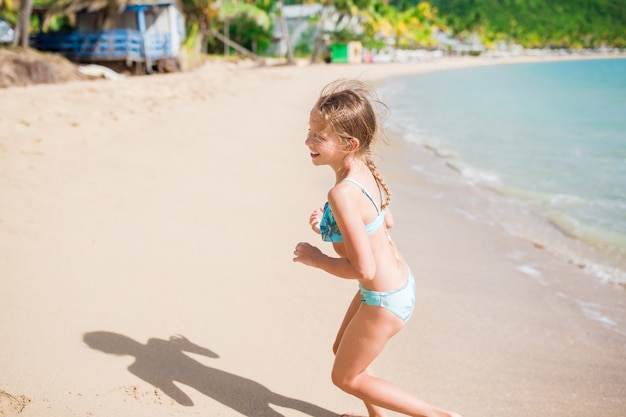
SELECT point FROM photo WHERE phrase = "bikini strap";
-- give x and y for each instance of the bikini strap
(364, 192)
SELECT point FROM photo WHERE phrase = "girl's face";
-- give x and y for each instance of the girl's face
(325, 145)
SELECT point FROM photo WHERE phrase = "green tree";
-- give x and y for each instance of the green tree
(533, 23)
(20, 13)
(246, 24)
(199, 15)
(409, 26)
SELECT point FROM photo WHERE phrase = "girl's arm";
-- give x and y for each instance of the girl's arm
(359, 262)
(312, 256)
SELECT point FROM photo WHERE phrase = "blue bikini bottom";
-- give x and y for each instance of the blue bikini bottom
(400, 302)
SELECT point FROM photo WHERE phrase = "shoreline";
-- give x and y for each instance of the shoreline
(476, 202)
(600, 263)
(138, 210)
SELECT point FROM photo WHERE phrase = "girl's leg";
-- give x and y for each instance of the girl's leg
(362, 341)
(372, 410)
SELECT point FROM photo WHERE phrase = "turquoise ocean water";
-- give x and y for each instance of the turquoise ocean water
(549, 137)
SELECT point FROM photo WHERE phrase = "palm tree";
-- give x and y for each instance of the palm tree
(25, 12)
(410, 27)
(113, 8)
(72, 6)
(200, 15)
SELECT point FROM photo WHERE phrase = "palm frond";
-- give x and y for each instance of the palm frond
(237, 10)
(73, 6)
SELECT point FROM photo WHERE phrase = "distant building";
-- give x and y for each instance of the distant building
(145, 35)
(472, 46)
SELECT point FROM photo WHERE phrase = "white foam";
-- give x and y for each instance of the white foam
(566, 199)
(529, 270)
(606, 273)
(591, 311)
(475, 176)
(469, 216)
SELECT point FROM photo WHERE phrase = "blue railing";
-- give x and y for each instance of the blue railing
(105, 45)
(116, 44)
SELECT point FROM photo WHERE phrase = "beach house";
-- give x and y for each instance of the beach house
(145, 37)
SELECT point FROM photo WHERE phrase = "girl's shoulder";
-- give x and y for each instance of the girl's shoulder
(343, 194)
(344, 188)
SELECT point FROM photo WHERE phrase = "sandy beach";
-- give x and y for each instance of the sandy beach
(146, 233)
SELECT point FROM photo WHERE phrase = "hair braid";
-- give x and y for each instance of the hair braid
(379, 179)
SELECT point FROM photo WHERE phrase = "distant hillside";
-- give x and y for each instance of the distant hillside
(537, 23)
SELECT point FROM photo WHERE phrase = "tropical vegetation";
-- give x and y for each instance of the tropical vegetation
(537, 23)
(407, 24)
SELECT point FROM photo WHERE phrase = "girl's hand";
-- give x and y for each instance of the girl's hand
(307, 254)
(315, 219)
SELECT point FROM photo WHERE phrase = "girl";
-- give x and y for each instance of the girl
(342, 127)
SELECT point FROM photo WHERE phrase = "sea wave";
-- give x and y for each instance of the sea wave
(535, 216)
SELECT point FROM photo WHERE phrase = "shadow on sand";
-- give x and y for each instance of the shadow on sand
(162, 362)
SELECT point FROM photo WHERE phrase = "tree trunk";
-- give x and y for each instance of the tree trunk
(203, 36)
(227, 36)
(23, 24)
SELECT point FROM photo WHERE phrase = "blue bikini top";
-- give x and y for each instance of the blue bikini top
(328, 225)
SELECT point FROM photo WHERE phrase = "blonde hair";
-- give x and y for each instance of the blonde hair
(349, 107)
